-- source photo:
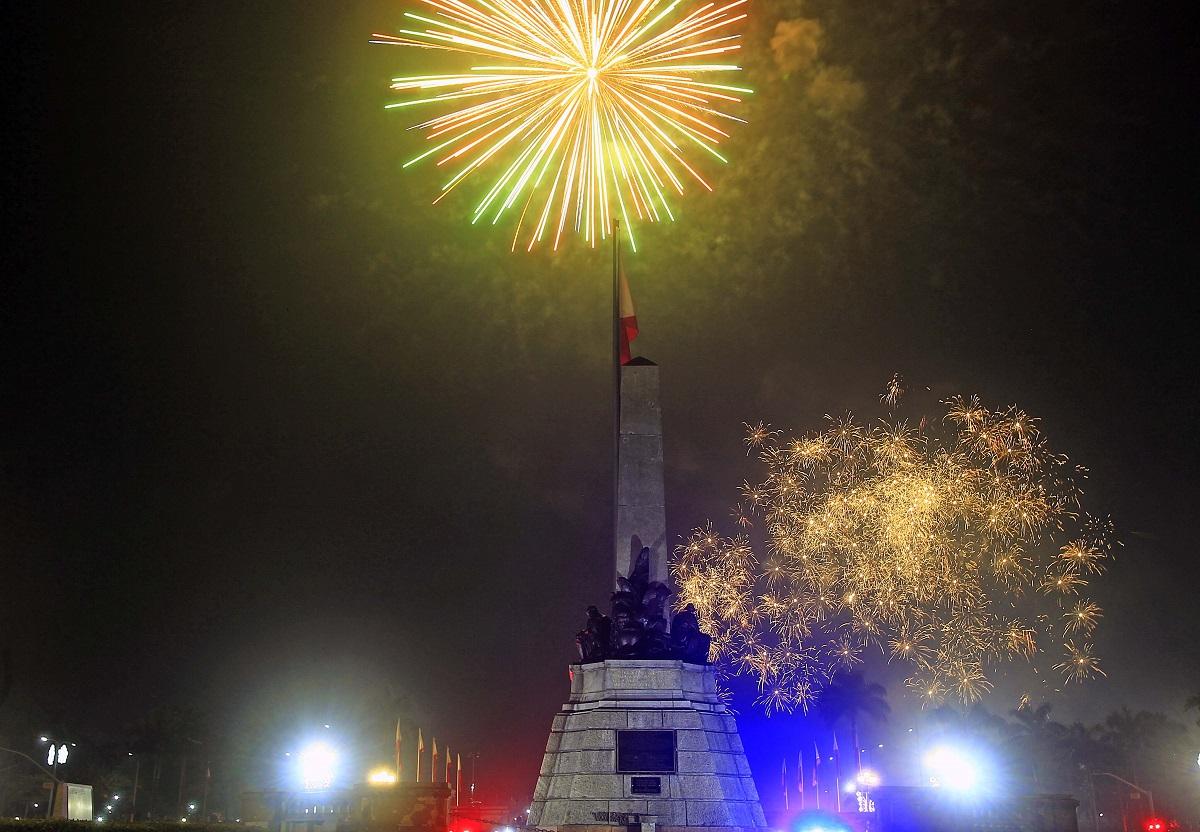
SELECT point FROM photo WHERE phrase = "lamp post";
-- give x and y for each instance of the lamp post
(1147, 792)
(867, 779)
(53, 775)
(137, 771)
(474, 759)
(56, 753)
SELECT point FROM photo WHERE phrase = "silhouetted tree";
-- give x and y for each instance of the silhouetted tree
(1193, 703)
(1037, 737)
(167, 734)
(849, 696)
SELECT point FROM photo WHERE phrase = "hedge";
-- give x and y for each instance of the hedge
(58, 825)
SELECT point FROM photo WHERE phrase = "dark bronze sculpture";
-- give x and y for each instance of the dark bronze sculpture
(687, 641)
(638, 627)
(593, 639)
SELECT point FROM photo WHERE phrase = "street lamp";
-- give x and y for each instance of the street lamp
(1147, 792)
(35, 764)
(474, 759)
(56, 755)
(861, 786)
(137, 773)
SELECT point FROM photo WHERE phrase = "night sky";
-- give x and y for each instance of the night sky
(274, 426)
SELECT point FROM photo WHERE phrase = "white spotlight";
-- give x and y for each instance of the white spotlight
(952, 769)
(318, 764)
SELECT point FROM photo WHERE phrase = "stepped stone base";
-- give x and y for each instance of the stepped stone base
(645, 741)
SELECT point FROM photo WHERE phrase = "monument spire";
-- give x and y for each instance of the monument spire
(661, 750)
(639, 506)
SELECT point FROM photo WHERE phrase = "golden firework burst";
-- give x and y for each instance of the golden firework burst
(933, 548)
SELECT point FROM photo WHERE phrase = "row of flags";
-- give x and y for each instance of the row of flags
(451, 773)
(816, 778)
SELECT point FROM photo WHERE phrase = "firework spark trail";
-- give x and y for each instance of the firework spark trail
(593, 110)
(928, 548)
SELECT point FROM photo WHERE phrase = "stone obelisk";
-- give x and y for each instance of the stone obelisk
(644, 741)
(643, 744)
(641, 518)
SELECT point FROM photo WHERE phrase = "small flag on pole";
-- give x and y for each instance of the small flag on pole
(627, 323)
(433, 772)
(800, 777)
(816, 773)
(449, 763)
(420, 751)
(783, 778)
(837, 772)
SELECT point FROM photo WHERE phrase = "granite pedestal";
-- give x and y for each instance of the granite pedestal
(645, 741)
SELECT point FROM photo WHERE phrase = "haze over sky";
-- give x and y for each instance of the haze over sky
(274, 423)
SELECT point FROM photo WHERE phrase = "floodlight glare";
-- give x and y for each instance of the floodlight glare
(382, 777)
(868, 778)
(62, 753)
(318, 763)
(819, 823)
(952, 769)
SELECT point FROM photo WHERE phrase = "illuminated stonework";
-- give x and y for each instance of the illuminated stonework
(646, 741)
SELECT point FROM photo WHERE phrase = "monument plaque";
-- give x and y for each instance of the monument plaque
(646, 751)
(645, 785)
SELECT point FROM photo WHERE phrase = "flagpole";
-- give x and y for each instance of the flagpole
(783, 781)
(616, 389)
(800, 776)
(837, 772)
(817, 773)
(399, 763)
